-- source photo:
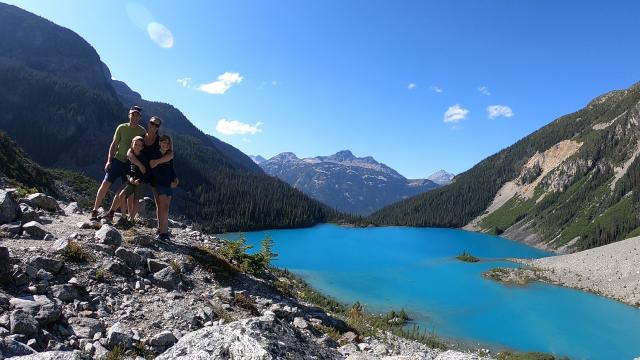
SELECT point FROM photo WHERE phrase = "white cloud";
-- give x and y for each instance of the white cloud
(411, 86)
(235, 127)
(455, 114)
(484, 90)
(185, 82)
(436, 89)
(225, 81)
(494, 111)
(160, 35)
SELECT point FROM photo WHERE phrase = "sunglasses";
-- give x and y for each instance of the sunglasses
(155, 124)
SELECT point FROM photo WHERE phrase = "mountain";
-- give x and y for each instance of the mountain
(257, 159)
(345, 182)
(573, 184)
(61, 106)
(441, 177)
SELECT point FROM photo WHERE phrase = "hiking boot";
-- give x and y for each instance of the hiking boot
(94, 215)
(163, 239)
(108, 216)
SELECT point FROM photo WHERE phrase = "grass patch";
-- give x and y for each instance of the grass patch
(507, 355)
(514, 210)
(117, 353)
(467, 257)
(76, 253)
(245, 302)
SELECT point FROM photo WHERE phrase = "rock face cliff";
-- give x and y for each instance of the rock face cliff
(569, 186)
(344, 181)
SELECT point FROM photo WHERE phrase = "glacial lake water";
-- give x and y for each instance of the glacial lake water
(415, 268)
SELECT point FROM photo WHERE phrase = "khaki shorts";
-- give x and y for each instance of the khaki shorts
(137, 190)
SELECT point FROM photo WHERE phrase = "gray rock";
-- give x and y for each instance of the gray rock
(44, 202)
(71, 208)
(51, 265)
(99, 351)
(10, 348)
(23, 323)
(4, 264)
(108, 235)
(300, 323)
(146, 208)
(143, 240)
(102, 248)
(44, 275)
(27, 213)
(165, 338)
(9, 210)
(60, 245)
(14, 228)
(132, 259)
(166, 278)
(64, 292)
(85, 327)
(362, 356)
(84, 225)
(119, 335)
(36, 230)
(53, 355)
(49, 237)
(119, 268)
(154, 265)
(348, 337)
(258, 338)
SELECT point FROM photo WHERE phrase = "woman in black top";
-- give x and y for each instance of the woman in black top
(164, 180)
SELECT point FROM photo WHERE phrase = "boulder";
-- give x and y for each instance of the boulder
(51, 265)
(27, 213)
(64, 292)
(23, 323)
(44, 202)
(257, 338)
(9, 210)
(72, 208)
(166, 278)
(60, 245)
(154, 265)
(108, 235)
(119, 268)
(10, 348)
(36, 230)
(164, 339)
(132, 259)
(84, 327)
(14, 228)
(119, 335)
(300, 323)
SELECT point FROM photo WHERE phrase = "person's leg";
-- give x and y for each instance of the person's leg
(157, 202)
(102, 191)
(163, 213)
(131, 205)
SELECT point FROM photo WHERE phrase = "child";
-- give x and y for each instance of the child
(164, 181)
(136, 177)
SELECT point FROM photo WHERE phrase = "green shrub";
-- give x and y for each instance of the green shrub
(76, 253)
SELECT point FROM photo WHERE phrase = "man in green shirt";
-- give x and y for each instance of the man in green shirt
(116, 166)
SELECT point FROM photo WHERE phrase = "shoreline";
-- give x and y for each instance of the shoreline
(611, 271)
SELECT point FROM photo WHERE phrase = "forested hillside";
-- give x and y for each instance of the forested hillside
(573, 184)
(59, 105)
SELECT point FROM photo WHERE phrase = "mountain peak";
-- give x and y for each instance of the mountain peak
(342, 155)
(441, 177)
(285, 156)
(258, 159)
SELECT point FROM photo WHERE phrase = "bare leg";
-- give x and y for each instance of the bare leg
(163, 214)
(133, 207)
(102, 191)
(157, 201)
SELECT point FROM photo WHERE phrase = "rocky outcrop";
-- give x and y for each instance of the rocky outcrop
(260, 338)
(9, 210)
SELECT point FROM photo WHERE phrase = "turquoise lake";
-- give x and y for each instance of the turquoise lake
(415, 268)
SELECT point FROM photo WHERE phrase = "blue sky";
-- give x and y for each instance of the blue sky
(318, 77)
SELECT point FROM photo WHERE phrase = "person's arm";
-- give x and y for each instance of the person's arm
(132, 157)
(166, 158)
(174, 179)
(112, 149)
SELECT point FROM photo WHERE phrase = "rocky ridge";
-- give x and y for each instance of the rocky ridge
(82, 290)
